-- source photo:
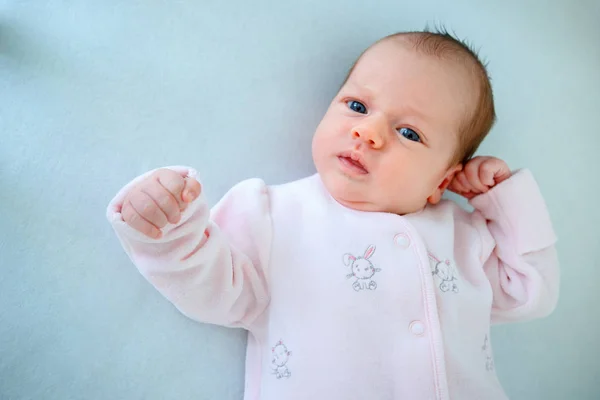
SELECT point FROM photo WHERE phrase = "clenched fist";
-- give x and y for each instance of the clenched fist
(158, 200)
(479, 175)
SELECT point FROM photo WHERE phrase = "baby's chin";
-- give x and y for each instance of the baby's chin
(353, 195)
(361, 196)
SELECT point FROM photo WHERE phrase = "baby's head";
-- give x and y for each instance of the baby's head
(413, 109)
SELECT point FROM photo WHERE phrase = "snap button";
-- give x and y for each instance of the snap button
(417, 328)
(402, 240)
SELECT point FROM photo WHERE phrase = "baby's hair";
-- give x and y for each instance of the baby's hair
(439, 43)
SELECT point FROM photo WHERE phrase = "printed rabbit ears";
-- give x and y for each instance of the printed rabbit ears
(349, 258)
(369, 252)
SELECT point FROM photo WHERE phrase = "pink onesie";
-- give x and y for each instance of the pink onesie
(349, 305)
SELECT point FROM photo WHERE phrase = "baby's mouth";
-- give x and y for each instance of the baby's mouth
(352, 163)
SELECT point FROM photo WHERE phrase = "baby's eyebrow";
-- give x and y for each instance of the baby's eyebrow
(361, 89)
(409, 110)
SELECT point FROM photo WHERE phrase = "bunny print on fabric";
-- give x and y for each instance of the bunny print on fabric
(279, 360)
(445, 272)
(489, 360)
(362, 270)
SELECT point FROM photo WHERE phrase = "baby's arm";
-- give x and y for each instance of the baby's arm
(212, 270)
(517, 249)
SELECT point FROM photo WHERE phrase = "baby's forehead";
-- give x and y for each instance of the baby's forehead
(399, 71)
(394, 54)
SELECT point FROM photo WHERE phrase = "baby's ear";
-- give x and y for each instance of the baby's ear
(436, 196)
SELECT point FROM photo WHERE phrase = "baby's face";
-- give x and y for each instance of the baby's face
(388, 137)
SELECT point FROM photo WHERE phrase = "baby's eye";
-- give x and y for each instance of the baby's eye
(409, 134)
(357, 106)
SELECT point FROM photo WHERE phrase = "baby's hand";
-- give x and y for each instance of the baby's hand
(157, 200)
(479, 175)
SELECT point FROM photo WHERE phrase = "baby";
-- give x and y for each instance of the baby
(360, 282)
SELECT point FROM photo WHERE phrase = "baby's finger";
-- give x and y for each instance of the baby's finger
(165, 201)
(469, 195)
(137, 222)
(501, 171)
(487, 170)
(173, 182)
(147, 208)
(191, 191)
(464, 182)
(456, 186)
(472, 175)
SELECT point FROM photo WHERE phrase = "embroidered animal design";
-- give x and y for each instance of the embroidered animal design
(362, 270)
(445, 273)
(280, 357)
(489, 360)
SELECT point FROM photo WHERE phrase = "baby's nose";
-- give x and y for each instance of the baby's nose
(370, 137)
(371, 132)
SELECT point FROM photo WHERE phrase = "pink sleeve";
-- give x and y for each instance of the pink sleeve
(518, 253)
(211, 265)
